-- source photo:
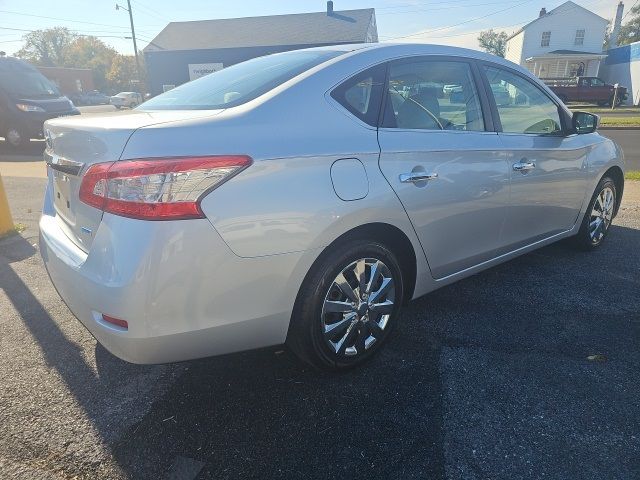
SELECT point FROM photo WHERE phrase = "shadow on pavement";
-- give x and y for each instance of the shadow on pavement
(95, 392)
(262, 414)
(22, 154)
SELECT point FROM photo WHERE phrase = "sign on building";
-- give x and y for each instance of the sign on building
(197, 70)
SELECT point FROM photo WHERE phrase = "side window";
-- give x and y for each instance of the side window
(432, 95)
(596, 82)
(361, 95)
(522, 106)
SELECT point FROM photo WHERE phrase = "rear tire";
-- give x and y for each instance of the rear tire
(597, 220)
(339, 320)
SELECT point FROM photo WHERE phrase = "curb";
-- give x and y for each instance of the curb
(630, 127)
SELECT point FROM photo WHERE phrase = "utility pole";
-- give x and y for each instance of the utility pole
(133, 36)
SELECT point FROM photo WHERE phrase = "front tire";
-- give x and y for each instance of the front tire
(597, 220)
(347, 305)
(15, 138)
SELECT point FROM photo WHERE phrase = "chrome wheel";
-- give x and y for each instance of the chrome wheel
(357, 307)
(601, 215)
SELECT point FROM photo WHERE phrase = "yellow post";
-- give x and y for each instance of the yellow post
(6, 222)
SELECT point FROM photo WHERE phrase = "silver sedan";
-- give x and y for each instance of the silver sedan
(302, 197)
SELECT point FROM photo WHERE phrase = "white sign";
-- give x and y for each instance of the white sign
(197, 70)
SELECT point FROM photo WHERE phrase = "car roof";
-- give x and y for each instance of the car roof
(401, 49)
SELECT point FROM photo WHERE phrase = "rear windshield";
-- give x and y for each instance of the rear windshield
(26, 83)
(238, 83)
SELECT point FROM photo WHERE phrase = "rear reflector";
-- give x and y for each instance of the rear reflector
(157, 188)
(115, 321)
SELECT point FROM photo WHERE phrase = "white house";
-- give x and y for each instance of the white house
(564, 42)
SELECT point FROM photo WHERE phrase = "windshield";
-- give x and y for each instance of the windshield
(239, 83)
(27, 84)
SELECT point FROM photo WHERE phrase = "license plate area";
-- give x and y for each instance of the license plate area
(62, 195)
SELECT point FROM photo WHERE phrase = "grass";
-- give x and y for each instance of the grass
(631, 121)
(635, 175)
(604, 110)
(17, 228)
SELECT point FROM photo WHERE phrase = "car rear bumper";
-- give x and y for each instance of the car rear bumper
(184, 294)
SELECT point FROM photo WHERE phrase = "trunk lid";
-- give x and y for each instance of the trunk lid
(75, 143)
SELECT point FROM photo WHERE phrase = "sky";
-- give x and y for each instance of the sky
(453, 22)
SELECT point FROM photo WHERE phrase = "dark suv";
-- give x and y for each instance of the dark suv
(27, 99)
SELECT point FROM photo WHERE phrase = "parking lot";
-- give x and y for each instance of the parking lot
(528, 370)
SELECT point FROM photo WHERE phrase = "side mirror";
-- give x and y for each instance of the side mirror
(585, 122)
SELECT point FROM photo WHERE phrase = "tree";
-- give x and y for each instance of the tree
(58, 47)
(493, 42)
(47, 47)
(630, 31)
(91, 52)
(123, 74)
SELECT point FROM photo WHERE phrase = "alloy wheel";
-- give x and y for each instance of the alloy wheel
(357, 307)
(601, 215)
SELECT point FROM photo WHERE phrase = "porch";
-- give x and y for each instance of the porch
(565, 64)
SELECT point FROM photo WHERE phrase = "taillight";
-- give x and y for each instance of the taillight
(157, 188)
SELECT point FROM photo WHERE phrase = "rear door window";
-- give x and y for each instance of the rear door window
(432, 95)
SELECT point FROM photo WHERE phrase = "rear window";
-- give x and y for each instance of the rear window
(239, 83)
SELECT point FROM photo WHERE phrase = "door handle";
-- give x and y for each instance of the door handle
(414, 177)
(524, 166)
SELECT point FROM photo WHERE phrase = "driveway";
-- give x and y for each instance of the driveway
(526, 371)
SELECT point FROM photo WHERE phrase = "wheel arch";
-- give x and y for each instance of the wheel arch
(389, 235)
(617, 176)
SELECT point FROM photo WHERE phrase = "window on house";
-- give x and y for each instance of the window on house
(546, 39)
(579, 37)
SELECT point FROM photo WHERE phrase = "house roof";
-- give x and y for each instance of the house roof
(556, 11)
(346, 26)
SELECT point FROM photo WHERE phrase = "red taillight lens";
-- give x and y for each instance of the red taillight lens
(157, 188)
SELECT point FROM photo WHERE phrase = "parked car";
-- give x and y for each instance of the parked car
(273, 201)
(94, 97)
(126, 99)
(449, 89)
(27, 99)
(586, 89)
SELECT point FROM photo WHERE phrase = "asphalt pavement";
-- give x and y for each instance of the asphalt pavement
(526, 371)
(629, 140)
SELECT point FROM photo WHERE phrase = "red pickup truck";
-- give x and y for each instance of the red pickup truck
(585, 89)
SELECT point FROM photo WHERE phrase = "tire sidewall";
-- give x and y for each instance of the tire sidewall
(315, 289)
(584, 237)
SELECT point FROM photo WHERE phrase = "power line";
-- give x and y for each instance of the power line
(63, 19)
(460, 23)
(467, 33)
(441, 8)
(149, 11)
(629, 11)
(425, 4)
